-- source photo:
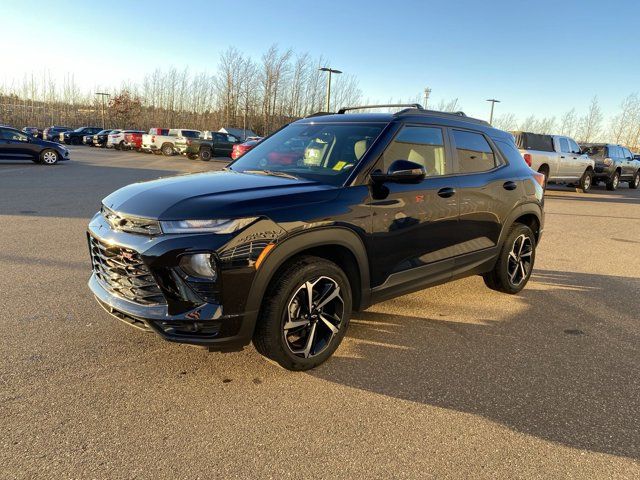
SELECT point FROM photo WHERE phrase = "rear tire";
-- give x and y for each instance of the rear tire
(205, 154)
(635, 181)
(585, 182)
(515, 262)
(298, 333)
(614, 181)
(167, 150)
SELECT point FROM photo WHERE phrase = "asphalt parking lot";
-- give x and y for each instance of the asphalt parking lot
(456, 381)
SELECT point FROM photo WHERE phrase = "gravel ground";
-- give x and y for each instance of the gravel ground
(452, 382)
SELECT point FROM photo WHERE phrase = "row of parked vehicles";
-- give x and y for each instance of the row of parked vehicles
(161, 141)
(562, 160)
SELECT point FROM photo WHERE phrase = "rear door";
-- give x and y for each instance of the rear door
(487, 193)
(415, 225)
(222, 144)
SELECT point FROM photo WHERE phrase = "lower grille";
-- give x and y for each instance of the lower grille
(122, 271)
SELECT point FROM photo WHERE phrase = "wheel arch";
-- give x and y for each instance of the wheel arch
(340, 245)
(529, 214)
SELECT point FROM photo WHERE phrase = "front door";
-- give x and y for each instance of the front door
(566, 165)
(15, 145)
(414, 225)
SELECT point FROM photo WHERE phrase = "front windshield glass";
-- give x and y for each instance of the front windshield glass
(326, 153)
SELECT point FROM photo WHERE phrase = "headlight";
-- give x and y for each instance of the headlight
(608, 162)
(201, 265)
(223, 225)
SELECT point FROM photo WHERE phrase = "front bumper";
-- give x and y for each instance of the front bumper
(183, 317)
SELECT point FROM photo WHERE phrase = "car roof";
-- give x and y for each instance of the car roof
(447, 119)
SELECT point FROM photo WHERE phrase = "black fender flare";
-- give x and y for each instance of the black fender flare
(286, 249)
(530, 208)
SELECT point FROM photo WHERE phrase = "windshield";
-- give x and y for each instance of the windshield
(594, 150)
(325, 153)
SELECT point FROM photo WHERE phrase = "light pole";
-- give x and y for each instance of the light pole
(102, 95)
(329, 71)
(427, 92)
(493, 102)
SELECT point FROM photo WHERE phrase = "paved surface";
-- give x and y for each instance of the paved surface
(452, 382)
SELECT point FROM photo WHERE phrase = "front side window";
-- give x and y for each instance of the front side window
(614, 151)
(13, 135)
(421, 145)
(574, 147)
(474, 152)
(326, 153)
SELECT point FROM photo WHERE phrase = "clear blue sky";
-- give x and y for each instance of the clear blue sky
(537, 57)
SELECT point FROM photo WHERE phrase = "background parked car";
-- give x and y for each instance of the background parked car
(149, 143)
(133, 139)
(100, 138)
(614, 164)
(87, 140)
(240, 149)
(557, 157)
(114, 138)
(220, 144)
(74, 137)
(17, 145)
(161, 140)
(33, 131)
(53, 133)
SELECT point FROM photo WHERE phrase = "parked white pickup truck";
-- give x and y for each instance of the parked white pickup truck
(558, 157)
(163, 140)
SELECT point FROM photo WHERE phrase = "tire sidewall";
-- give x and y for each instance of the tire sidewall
(205, 154)
(166, 148)
(503, 261)
(288, 286)
(46, 151)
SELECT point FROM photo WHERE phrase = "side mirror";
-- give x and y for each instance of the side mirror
(401, 171)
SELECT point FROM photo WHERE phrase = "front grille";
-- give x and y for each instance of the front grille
(122, 271)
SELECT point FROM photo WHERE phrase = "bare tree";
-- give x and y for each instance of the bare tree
(590, 125)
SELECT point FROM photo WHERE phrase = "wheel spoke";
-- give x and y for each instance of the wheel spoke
(523, 270)
(522, 238)
(307, 349)
(295, 324)
(513, 256)
(525, 254)
(330, 325)
(309, 287)
(334, 293)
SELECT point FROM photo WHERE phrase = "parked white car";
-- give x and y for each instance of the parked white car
(163, 141)
(559, 158)
(114, 138)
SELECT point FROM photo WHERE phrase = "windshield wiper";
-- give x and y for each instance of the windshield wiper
(274, 173)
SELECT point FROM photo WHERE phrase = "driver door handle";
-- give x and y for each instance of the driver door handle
(446, 192)
(510, 185)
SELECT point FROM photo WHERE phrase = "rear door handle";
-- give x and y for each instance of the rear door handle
(510, 185)
(446, 192)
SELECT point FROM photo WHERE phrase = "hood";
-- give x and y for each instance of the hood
(216, 195)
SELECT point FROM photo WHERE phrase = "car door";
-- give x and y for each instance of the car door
(487, 194)
(15, 145)
(627, 164)
(580, 160)
(565, 162)
(414, 226)
(222, 146)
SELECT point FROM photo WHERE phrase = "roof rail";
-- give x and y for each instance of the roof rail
(421, 111)
(318, 114)
(387, 105)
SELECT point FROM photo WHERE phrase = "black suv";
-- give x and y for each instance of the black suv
(330, 214)
(17, 145)
(75, 137)
(614, 164)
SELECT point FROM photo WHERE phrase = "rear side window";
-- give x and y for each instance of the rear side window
(190, 133)
(474, 152)
(422, 145)
(564, 145)
(509, 151)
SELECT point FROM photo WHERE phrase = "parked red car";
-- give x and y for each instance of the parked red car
(133, 140)
(240, 149)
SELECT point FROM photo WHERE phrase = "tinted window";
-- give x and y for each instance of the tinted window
(510, 151)
(614, 151)
(564, 145)
(190, 133)
(474, 152)
(12, 135)
(422, 145)
(626, 153)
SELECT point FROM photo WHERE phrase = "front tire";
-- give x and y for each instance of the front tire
(614, 181)
(515, 262)
(49, 157)
(585, 181)
(635, 181)
(305, 314)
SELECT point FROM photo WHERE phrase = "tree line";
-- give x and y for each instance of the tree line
(259, 95)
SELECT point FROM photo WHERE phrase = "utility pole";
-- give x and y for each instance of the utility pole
(493, 102)
(102, 95)
(329, 71)
(427, 92)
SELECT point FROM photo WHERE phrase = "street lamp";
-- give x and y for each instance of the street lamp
(102, 95)
(493, 102)
(427, 92)
(329, 71)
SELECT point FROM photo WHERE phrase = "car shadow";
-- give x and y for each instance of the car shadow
(564, 369)
(596, 194)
